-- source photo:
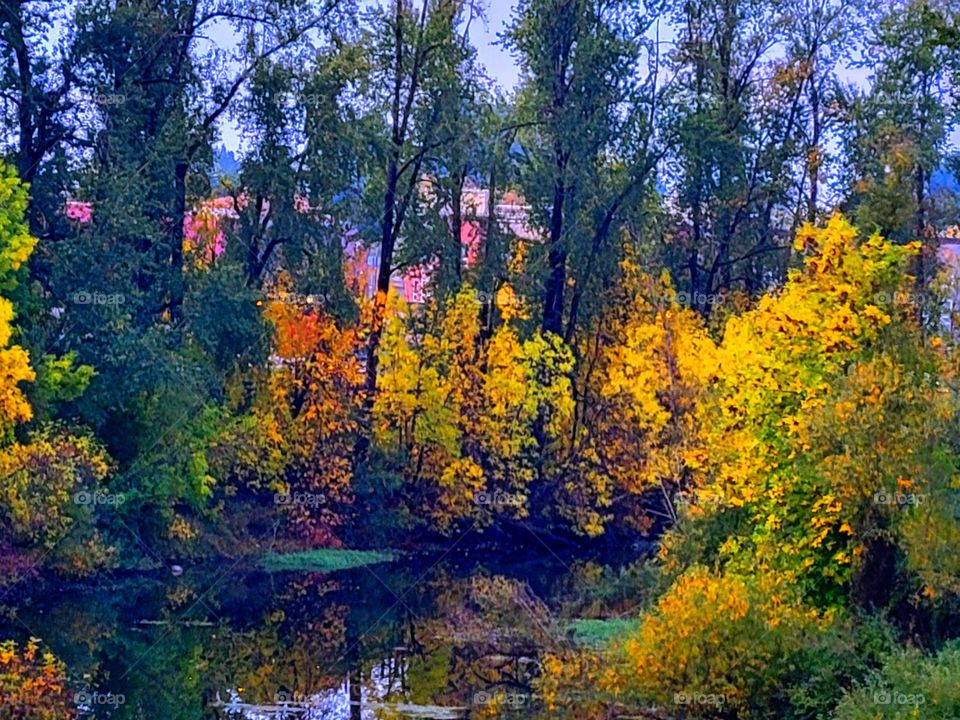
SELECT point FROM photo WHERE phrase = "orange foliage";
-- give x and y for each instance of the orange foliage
(33, 684)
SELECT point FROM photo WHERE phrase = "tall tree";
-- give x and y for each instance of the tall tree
(819, 36)
(298, 187)
(39, 102)
(738, 117)
(588, 145)
(900, 127)
(35, 83)
(123, 295)
(413, 48)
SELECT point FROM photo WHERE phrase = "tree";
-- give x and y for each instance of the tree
(39, 102)
(119, 270)
(588, 142)
(414, 49)
(818, 35)
(297, 193)
(457, 417)
(738, 116)
(899, 129)
(646, 368)
(16, 244)
(45, 473)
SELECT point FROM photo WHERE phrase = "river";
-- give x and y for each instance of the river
(429, 637)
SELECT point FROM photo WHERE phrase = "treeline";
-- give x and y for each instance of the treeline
(812, 569)
(184, 392)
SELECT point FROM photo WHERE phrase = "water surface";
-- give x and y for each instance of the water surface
(422, 637)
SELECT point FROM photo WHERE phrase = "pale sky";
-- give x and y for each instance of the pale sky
(497, 60)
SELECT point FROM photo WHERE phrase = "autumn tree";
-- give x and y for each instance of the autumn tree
(413, 49)
(646, 366)
(139, 162)
(457, 417)
(819, 467)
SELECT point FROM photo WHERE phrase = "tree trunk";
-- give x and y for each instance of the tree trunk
(556, 280)
(176, 240)
(456, 229)
(814, 162)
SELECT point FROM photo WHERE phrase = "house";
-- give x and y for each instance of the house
(205, 240)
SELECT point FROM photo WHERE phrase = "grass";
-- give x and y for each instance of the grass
(597, 633)
(324, 560)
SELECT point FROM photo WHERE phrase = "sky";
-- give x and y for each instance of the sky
(496, 59)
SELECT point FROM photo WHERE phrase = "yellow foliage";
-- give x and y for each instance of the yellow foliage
(778, 367)
(717, 635)
(456, 414)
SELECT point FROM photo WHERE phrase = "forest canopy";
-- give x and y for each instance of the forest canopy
(691, 285)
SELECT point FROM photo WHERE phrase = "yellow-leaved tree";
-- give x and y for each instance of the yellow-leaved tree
(457, 416)
(818, 436)
(50, 478)
(829, 407)
(645, 367)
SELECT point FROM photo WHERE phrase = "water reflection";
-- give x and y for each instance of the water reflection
(391, 641)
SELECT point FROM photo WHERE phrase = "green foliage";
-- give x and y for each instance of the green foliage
(59, 380)
(18, 243)
(598, 633)
(909, 685)
(588, 147)
(898, 131)
(325, 560)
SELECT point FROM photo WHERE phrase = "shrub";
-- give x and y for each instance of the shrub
(726, 646)
(909, 685)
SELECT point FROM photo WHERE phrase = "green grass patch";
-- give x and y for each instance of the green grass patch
(597, 633)
(324, 560)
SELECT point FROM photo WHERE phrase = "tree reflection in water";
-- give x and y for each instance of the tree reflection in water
(386, 642)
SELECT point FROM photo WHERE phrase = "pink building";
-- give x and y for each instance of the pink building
(363, 262)
(205, 240)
